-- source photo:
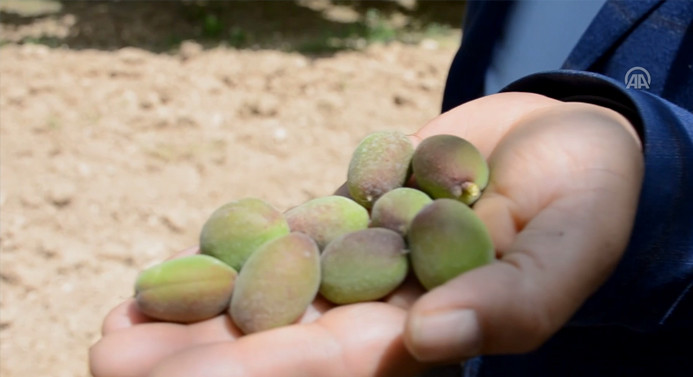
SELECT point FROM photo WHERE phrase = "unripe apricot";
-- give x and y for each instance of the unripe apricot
(186, 289)
(447, 166)
(380, 163)
(362, 266)
(326, 218)
(446, 238)
(236, 229)
(397, 208)
(277, 283)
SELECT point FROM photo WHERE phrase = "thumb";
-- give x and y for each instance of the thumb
(556, 244)
(516, 303)
(488, 310)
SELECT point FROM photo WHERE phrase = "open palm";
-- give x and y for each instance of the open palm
(565, 179)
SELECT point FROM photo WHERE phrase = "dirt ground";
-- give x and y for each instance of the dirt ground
(114, 149)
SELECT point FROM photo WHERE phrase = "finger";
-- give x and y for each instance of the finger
(123, 316)
(316, 309)
(559, 151)
(486, 120)
(559, 246)
(136, 350)
(406, 294)
(114, 355)
(353, 340)
(516, 303)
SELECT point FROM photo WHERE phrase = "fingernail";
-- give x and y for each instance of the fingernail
(446, 336)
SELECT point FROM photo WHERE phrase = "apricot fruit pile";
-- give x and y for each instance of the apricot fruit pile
(408, 211)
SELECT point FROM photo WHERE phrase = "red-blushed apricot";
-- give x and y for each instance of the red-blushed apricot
(326, 218)
(447, 166)
(397, 208)
(277, 283)
(236, 229)
(381, 162)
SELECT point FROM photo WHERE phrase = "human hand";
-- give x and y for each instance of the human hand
(560, 204)
(353, 340)
(557, 169)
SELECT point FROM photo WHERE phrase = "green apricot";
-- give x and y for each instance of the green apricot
(363, 265)
(277, 283)
(446, 239)
(326, 218)
(395, 209)
(380, 163)
(236, 229)
(447, 166)
(186, 289)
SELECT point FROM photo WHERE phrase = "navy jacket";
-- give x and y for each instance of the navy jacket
(640, 322)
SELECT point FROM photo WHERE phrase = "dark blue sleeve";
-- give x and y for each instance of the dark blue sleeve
(652, 287)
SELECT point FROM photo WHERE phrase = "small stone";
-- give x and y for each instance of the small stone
(131, 55)
(189, 50)
(34, 50)
(174, 220)
(61, 194)
(429, 44)
(409, 5)
(263, 106)
(280, 134)
(401, 100)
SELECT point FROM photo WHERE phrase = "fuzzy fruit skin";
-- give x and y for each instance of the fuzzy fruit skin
(362, 266)
(447, 166)
(277, 283)
(446, 239)
(380, 163)
(187, 289)
(395, 209)
(236, 229)
(326, 218)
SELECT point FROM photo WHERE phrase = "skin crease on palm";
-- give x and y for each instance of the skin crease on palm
(565, 179)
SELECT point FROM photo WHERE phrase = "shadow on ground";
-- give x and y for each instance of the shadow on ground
(305, 26)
